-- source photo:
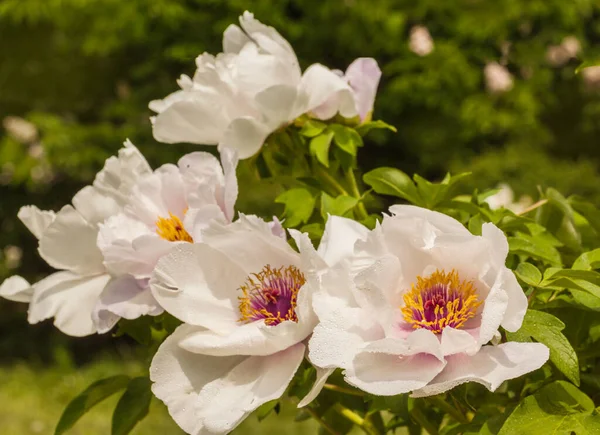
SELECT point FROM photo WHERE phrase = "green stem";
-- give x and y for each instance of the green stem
(420, 418)
(322, 422)
(361, 422)
(342, 390)
(445, 406)
(361, 211)
(329, 180)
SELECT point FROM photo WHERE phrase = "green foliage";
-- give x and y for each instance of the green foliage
(93, 395)
(132, 407)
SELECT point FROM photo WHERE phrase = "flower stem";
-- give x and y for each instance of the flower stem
(361, 422)
(342, 390)
(361, 211)
(445, 406)
(420, 418)
(329, 180)
(322, 422)
(532, 207)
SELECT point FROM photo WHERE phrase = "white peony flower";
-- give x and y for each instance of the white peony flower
(505, 198)
(245, 297)
(421, 42)
(421, 309)
(497, 78)
(237, 98)
(67, 241)
(167, 207)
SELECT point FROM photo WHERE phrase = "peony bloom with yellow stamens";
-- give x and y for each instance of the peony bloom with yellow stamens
(419, 309)
(245, 297)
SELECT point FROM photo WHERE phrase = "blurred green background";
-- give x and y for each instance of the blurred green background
(471, 85)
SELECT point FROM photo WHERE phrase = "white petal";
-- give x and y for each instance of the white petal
(339, 237)
(248, 339)
(95, 206)
(491, 366)
(159, 106)
(234, 39)
(199, 119)
(70, 299)
(322, 375)
(389, 375)
(250, 243)
(245, 135)
(458, 341)
(70, 243)
(17, 289)
(225, 402)
(125, 297)
(517, 302)
(36, 220)
(318, 85)
(493, 312)
(277, 104)
(199, 285)
(363, 75)
(207, 394)
(119, 174)
(443, 222)
(229, 161)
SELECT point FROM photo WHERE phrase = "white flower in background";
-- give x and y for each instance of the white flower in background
(12, 256)
(497, 78)
(237, 98)
(20, 129)
(591, 77)
(420, 41)
(245, 297)
(558, 55)
(170, 206)
(67, 242)
(421, 311)
(505, 198)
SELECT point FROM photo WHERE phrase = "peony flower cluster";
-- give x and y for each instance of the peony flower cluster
(415, 305)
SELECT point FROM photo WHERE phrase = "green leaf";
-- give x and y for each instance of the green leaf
(366, 127)
(588, 211)
(299, 205)
(264, 410)
(558, 408)
(346, 138)
(132, 407)
(475, 224)
(337, 206)
(587, 64)
(392, 181)
(588, 260)
(436, 193)
(139, 329)
(319, 147)
(312, 128)
(535, 247)
(529, 274)
(546, 329)
(92, 395)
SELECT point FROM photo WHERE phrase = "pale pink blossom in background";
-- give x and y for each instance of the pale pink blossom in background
(591, 77)
(558, 55)
(20, 129)
(420, 42)
(497, 78)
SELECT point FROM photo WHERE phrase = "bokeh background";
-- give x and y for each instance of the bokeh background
(471, 85)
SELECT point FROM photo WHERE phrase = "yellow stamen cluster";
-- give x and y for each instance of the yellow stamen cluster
(271, 295)
(440, 300)
(172, 229)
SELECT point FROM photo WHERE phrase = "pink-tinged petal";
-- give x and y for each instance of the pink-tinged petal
(490, 367)
(200, 119)
(69, 243)
(70, 299)
(36, 220)
(339, 238)
(124, 297)
(245, 135)
(200, 168)
(16, 289)
(318, 85)
(363, 75)
(322, 375)
(206, 394)
(199, 286)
